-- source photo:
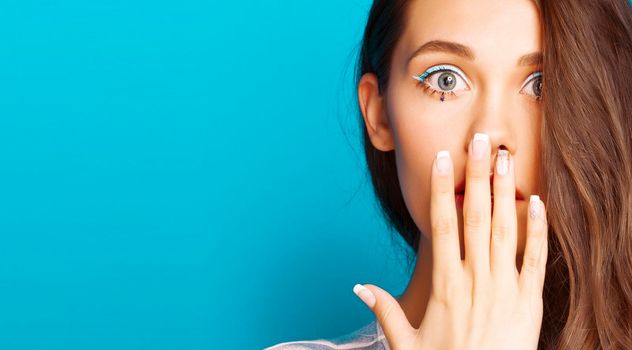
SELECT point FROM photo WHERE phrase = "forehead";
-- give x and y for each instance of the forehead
(495, 30)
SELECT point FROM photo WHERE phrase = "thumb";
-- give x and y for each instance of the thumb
(388, 312)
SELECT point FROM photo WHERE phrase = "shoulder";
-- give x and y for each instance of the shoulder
(369, 337)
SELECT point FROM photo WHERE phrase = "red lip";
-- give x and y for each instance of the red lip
(460, 188)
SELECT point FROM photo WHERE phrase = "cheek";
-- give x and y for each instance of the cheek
(421, 128)
(418, 138)
(414, 162)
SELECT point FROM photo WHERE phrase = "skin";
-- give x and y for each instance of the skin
(490, 99)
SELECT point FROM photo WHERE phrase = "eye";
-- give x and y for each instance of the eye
(533, 85)
(442, 80)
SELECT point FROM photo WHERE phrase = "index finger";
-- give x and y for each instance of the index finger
(446, 253)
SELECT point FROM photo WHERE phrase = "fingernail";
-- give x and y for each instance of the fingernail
(479, 145)
(443, 163)
(502, 162)
(365, 295)
(534, 207)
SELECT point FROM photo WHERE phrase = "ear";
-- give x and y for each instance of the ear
(373, 111)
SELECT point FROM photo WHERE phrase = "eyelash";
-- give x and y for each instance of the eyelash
(422, 81)
(427, 87)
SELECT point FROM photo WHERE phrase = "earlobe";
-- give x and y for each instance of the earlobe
(374, 113)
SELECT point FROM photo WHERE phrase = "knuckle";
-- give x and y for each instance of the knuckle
(451, 291)
(442, 225)
(474, 219)
(482, 289)
(387, 312)
(530, 263)
(480, 175)
(536, 234)
(444, 293)
(444, 187)
(500, 231)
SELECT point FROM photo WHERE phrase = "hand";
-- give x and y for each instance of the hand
(481, 302)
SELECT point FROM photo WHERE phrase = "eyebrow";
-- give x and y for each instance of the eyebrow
(531, 59)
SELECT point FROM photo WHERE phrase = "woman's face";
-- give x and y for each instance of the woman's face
(488, 85)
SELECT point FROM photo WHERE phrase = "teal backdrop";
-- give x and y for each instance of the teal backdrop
(184, 175)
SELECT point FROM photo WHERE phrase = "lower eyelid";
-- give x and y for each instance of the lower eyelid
(432, 92)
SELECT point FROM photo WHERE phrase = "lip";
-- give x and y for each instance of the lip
(459, 191)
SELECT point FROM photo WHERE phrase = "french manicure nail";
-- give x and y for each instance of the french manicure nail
(443, 162)
(365, 295)
(534, 207)
(502, 162)
(479, 145)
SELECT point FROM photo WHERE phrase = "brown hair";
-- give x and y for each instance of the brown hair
(586, 164)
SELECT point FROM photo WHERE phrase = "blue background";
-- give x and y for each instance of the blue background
(184, 175)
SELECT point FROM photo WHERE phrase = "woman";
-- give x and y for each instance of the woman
(476, 113)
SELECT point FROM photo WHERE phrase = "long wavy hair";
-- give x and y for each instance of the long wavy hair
(586, 164)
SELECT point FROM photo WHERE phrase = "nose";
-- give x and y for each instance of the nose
(492, 115)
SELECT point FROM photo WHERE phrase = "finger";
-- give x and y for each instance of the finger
(388, 312)
(535, 253)
(446, 256)
(504, 238)
(477, 205)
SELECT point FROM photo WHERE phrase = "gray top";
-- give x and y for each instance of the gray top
(369, 337)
